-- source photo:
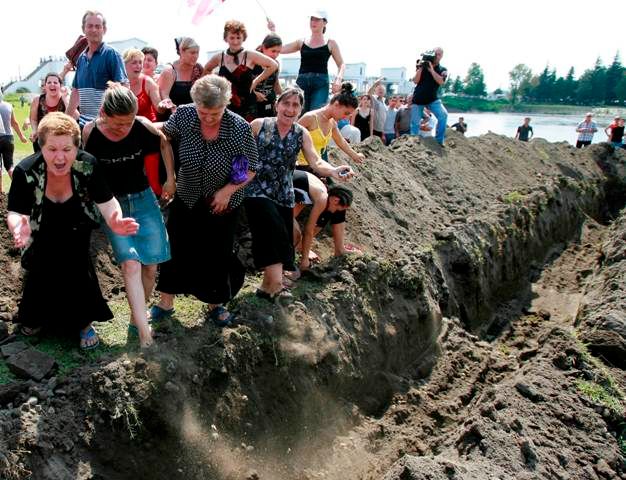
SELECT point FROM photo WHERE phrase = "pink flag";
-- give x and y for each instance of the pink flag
(202, 8)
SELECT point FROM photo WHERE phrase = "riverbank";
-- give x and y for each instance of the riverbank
(467, 104)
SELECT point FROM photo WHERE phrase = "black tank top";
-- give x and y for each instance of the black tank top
(314, 60)
(180, 93)
(43, 109)
(363, 124)
(617, 134)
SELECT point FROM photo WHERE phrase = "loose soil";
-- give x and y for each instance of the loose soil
(447, 351)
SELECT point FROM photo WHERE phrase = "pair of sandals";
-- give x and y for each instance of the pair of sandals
(216, 315)
(89, 339)
(155, 315)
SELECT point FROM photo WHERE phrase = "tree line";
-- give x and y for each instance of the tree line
(598, 85)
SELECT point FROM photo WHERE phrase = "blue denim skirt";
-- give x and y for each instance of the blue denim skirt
(150, 245)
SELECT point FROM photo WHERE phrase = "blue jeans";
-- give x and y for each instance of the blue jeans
(150, 245)
(389, 137)
(440, 113)
(315, 87)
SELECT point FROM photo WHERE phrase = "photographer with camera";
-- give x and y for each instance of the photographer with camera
(429, 76)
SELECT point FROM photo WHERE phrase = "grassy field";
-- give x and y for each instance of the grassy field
(21, 113)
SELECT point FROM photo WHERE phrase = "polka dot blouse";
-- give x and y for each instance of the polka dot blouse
(205, 165)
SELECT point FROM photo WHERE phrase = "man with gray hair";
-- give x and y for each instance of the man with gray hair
(96, 66)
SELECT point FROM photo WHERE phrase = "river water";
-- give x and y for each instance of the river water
(554, 128)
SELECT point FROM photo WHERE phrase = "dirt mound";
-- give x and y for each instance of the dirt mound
(428, 351)
(602, 318)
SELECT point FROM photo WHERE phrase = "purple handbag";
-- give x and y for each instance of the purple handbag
(239, 170)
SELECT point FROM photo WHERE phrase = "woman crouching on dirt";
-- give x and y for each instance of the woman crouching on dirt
(270, 197)
(120, 141)
(218, 157)
(322, 125)
(56, 198)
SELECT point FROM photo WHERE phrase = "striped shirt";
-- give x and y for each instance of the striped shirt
(92, 75)
(589, 128)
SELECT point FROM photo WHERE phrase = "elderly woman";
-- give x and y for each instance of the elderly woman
(56, 198)
(270, 196)
(177, 78)
(51, 100)
(237, 66)
(218, 157)
(147, 92)
(121, 143)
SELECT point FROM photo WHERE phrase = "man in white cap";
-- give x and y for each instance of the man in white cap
(585, 130)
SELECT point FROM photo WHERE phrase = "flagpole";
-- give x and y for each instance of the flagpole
(263, 9)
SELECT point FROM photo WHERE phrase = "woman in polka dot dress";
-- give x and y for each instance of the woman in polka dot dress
(218, 157)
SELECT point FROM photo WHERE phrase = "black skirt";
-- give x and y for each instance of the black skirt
(61, 290)
(271, 226)
(203, 263)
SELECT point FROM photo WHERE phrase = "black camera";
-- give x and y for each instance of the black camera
(427, 58)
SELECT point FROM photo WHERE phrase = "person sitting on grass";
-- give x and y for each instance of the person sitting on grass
(57, 196)
(328, 206)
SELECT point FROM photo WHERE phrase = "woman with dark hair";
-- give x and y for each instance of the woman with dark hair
(218, 158)
(150, 62)
(314, 55)
(51, 100)
(120, 142)
(267, 90)
(57, 196)
(322, 125)
(363, 117)
(270, 197)
(177, 78)
(237, 64)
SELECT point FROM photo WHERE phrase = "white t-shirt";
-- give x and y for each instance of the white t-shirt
(431, 125)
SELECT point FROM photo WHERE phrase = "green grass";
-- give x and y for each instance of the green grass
(21, 113)
(603, 395)
(513, 197)
(114, 338)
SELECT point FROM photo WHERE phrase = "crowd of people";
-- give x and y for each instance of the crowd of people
(196, 144)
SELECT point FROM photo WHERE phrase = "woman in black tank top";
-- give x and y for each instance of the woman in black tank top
(314, 53)
(236, 64)
(177, 78)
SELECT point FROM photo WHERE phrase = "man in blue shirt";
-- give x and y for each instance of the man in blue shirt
(96, 66)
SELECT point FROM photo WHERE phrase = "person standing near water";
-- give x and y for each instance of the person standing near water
(585, 130)
(524, 131)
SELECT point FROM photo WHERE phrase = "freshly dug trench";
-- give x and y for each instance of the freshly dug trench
(275, 397)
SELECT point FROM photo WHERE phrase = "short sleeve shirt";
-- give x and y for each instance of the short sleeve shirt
(122, 162)
(91, 79)
(426, 90)
(524, 132)
(380, 113)
(206, 165)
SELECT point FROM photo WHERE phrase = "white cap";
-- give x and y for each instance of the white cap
(319, 13)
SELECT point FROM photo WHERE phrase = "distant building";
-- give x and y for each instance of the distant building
(122, 45)
(32, 82)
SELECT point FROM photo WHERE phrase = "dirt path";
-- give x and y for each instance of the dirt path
(492, 408)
